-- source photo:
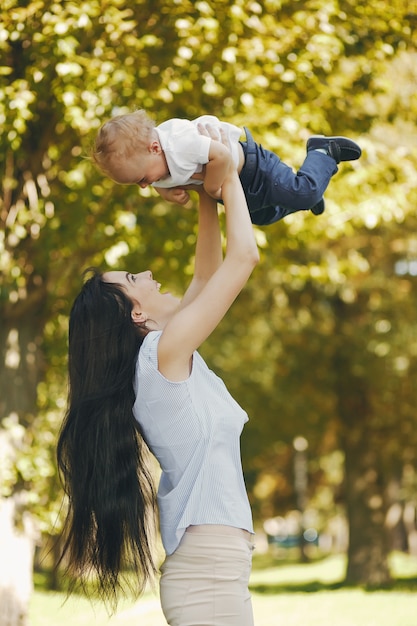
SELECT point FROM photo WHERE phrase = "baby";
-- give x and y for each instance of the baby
(131, 149)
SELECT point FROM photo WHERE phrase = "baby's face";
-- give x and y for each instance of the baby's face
(143, 168)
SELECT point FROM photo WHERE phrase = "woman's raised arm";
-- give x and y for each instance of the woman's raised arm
(200, 315)
(208, 251)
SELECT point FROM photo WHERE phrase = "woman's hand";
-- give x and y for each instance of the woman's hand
(214, 132)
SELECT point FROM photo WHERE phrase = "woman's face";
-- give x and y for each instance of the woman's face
(145, 293)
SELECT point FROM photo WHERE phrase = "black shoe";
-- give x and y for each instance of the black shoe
(318, 208)
(339, 148)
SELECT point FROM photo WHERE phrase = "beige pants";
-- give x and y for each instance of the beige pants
(205, 581)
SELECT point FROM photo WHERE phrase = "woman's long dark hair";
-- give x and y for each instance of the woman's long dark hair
(101, 455)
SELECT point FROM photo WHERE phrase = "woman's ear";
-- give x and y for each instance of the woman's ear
(139, 317)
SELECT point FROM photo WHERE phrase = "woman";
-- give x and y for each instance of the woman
(135, 377)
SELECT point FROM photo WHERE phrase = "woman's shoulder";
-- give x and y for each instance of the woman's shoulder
(148, 363)
(147, 358)
(150, 343)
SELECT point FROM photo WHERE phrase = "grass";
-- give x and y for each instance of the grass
(283, 594)
(313, 595)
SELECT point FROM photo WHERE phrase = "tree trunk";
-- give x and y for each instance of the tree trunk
(366, 511)
(16, 565)
(21, 358)
(363, 446)
(21, 369)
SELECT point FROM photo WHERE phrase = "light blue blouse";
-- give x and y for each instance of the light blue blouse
(193, 428)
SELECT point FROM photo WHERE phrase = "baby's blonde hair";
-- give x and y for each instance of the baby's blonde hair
(120, 137)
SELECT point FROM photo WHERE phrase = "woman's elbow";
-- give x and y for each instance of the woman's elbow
(256, 257)
(252, 257)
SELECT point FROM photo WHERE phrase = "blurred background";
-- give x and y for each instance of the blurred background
(320, 348)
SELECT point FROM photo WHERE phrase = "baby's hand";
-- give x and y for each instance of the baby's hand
(178, 195)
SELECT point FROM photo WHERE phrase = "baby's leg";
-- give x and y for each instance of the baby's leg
(275, 183)
(273, 190)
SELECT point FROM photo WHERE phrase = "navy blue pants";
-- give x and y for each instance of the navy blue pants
(273, 190)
